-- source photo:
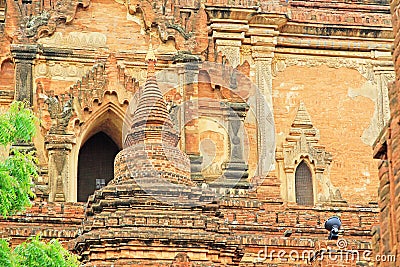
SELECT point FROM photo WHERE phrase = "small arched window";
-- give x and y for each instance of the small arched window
(304, 185)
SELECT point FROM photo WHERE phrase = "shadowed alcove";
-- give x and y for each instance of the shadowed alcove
(95, 164)
(304, 185)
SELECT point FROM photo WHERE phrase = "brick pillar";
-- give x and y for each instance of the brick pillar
(24, 54)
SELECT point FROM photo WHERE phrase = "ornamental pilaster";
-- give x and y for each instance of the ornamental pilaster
(236, 169)
(263, 32)
(24, 55)
(263, 52)
(60, 162)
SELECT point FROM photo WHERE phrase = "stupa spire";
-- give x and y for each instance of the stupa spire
(151, 121)
(302, 124)
(303, 118)
(151, 145)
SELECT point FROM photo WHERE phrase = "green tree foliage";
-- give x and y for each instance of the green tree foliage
(17, 125)
(16, 171)
(6, 255)
(36, 253)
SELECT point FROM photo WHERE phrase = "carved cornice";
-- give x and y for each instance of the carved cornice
(59, 141)
(277, 20)
(341, 44)
(340, 17)
(364, 67)
(362, 31)
(371, 13)
(91, 40)
(24, 51)
(337, 37)
(226, 12)
(371, 6)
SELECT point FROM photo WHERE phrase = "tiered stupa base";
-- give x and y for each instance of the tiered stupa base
(126, 226)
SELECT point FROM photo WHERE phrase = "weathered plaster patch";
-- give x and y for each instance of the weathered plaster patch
(368, 90)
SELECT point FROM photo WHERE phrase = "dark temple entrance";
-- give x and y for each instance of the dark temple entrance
(95, 164)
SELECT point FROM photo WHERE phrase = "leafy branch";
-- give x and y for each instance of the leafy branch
(17, 125)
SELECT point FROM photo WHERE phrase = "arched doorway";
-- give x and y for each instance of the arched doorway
(304, 185)
(95, 164)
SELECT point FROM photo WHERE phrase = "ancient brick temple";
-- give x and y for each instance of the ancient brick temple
(208, 132)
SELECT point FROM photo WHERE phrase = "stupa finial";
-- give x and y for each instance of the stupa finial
(150, 58)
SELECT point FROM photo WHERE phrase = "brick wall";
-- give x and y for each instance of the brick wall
(341, 108)
(7, 75)
(49, 220)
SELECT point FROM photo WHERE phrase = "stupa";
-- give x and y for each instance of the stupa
(152, 213)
